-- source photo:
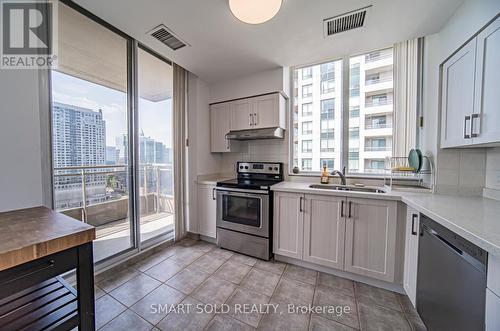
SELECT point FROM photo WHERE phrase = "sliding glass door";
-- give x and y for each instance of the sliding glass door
(108, 170)
(156, 189)
(89, 130)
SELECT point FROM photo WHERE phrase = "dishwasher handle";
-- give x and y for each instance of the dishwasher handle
(446, 242)
(465, 255)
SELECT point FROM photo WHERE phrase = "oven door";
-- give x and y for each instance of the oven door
(245, 211)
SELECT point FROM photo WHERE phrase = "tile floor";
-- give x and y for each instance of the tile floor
(198, 273)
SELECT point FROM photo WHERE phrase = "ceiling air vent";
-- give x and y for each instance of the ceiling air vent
(166, 36)
(348, 21)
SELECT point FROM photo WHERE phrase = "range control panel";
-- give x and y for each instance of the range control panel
(259, 168)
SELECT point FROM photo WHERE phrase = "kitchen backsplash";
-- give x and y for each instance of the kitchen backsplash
(270, 150)
(492, 181)
(461, 171)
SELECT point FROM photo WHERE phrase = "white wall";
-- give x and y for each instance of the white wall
(200, 160)
(259, 83)
(20, 166)
(455, 172)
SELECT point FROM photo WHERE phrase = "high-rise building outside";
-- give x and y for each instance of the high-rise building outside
(317, 114)
(78, 139)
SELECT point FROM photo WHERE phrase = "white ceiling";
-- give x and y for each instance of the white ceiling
(224, 48)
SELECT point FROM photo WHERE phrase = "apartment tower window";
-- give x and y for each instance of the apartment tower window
(368, 130)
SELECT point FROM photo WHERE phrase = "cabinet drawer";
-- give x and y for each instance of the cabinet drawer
(28, 274)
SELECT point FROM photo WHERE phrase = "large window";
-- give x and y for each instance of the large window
(368, 130)
(373, 139)
(156, 186)
(93, 139)
(320, 121)
(89, 129)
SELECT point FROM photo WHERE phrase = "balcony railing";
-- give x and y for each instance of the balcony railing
(370, 126)
(373, 57)
(377, 148)
(378, 103)
(374, 81)
(150, 196)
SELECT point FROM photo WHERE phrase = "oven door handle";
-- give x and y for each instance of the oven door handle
(260, 192)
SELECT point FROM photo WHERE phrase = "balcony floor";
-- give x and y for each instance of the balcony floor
(114, 237)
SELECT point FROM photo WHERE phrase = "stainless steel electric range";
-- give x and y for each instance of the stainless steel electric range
(245, 208)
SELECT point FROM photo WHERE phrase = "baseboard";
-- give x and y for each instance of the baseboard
(192, 235)
(358, 278)
(208, 239)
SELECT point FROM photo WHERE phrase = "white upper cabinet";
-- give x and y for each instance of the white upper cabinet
(220, 123)
(264, 111)
(324, 230)
(470, 101)
(268, 111)
(458, 96)
(241, 114)
(370, 239)
(486, 118)
(259, 112)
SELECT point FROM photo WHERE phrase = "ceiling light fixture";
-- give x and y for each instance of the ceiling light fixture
(254, 11)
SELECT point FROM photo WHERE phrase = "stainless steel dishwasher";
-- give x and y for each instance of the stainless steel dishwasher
(451, 280)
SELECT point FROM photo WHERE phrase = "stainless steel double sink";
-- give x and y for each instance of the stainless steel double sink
(347, 188)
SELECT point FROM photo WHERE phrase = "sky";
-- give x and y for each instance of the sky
(155, 118)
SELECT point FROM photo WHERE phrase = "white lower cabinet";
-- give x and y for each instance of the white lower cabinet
(324, 230)
(411, 253)
(288, 224)
(492, 318)
(370, 240)
(354, 235)
(207, 210)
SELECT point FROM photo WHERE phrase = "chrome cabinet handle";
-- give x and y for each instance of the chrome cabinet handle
(213, 193)
(350, 207)
(300, 204)
(342, 208)
(466, 136)
(250, 121)
(472, 134)
(413, 218)
(255, 118)
(227, 144)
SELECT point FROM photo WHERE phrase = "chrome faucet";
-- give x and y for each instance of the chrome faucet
(341, 175)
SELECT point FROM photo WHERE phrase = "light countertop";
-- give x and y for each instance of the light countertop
(212, 179)
(476, 219)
